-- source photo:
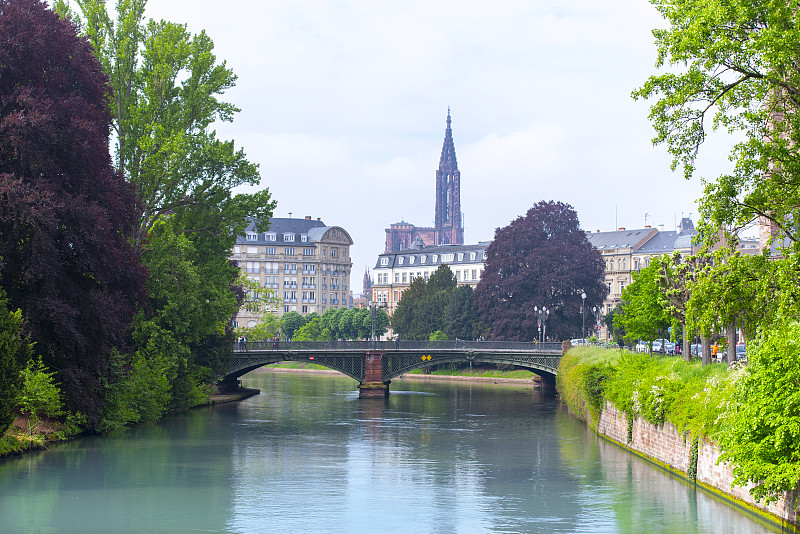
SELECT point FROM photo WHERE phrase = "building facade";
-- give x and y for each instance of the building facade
(394, 271)
(302, 264)
(448, 220)
(627, 251)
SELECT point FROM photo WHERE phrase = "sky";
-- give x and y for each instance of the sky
(343, 106)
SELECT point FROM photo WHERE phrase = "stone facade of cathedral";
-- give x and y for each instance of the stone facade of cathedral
(448, 226)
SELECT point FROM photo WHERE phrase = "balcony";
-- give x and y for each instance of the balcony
(309, 286)
(290, 271)
(272, 270)
(309, 271)
(271, 285)
(290, 285)
(309, 301)
(291, 300)
(334, 301)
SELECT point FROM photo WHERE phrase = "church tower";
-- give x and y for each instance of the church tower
(448, 227)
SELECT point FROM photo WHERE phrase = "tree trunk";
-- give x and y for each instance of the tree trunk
(731, 357)
(706, 344)
(687, 346)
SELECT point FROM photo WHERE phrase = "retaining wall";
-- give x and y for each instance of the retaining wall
(665, 446)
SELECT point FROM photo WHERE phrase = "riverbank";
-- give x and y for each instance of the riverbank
(666, 411)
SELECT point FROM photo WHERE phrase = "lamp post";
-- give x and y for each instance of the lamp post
(541, 316)
(583, 317)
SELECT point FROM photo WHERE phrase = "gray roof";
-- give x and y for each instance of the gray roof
(618, 239)
(428, 252)
(281, 226)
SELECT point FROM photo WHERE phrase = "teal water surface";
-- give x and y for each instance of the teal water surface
(306, 455)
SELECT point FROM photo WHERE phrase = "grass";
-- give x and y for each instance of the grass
(480, 372)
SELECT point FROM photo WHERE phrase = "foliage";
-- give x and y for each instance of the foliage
(644, 306)
(688, 394)
(736, 70)
(40, 396)
(541, 259)
(312, 331)
(290, 323)
(64, 213)
(460, 315)
(167, 87)
(761, 429)
(15, 350)
(437, 336)
(423, 307)
(137, 391)
(268, 328)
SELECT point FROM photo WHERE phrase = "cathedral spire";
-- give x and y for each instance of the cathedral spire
(447, 162)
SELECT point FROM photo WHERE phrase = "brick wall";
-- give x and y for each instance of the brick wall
(666, 446)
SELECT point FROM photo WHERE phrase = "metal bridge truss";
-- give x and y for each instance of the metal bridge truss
(399, 357)
(396, 364)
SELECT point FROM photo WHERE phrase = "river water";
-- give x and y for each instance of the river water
(306, 455)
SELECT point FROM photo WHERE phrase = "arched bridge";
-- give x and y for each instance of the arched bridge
(375, 363)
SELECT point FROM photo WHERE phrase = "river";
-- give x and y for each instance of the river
(306, 455)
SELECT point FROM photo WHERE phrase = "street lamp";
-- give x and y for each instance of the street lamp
(542, 315)
(583, 317)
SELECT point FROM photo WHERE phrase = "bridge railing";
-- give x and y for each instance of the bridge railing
(341, 345)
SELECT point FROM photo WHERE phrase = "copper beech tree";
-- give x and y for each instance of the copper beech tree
(541, 259)
(65, 214)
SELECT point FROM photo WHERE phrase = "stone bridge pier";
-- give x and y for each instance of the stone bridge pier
(373, 385)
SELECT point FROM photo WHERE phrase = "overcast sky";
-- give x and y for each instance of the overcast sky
(344, 106)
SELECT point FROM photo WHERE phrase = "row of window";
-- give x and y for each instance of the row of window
(465, 275)
(288, 237)
(423, 258)
(621, 264)
(254, 267)
(291, 251)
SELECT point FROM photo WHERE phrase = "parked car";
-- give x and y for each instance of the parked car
(642, 346)
(741, 351)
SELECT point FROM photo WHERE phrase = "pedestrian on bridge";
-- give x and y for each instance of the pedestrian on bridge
(275, 342)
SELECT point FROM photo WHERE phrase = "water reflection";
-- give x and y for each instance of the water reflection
(308, 456)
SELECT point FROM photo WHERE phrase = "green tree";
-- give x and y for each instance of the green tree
(421, 307)
(312, 331)
(761, 430)
(268, 328)
(732, 64)
(644, 314)
(460, 314)
(291, 322)
(40, 396)
(437, 336)
(15, 350)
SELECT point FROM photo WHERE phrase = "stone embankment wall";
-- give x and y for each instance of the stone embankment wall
(665, 446)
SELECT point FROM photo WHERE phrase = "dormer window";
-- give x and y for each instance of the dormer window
(271, 236)
(435, 258)
(460, 256)
(288, 236)
(422, 259)
(251, 236)
(411, 260)
(471, 256)
(384, 262)
(303, 238)
(400, 260)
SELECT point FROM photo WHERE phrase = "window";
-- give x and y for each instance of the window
(308, 252)
(474, 272)
(251, 236)
(384, 261)
(396, 278)
(269, 251)
(422, 259)
(635, 265)
(252, 267)
(252, 250)
(458, 276)
(405, 279)
(460, 256)
(237, 250)
(324, 251)
(411, 260)
(334, 252)
(288, 236)
(448, 258)
(621, 286)
(303, 238)
(484, 254)
(289, 251)
(435, 258)
(400, 260)
(271, 236)
(396, 296)
(466, 275)
(471, 256)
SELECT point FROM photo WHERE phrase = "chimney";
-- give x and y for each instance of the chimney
(647, 226)
(597, 231)
(621, 229)
(308, 217)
